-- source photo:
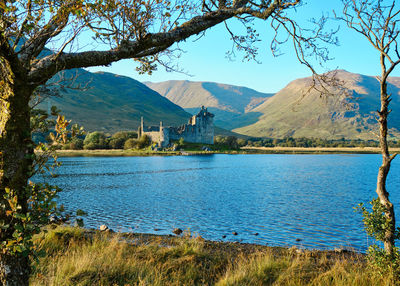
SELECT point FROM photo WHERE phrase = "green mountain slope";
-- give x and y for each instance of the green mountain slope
(292, 112)
(231, 104)
(112, 102)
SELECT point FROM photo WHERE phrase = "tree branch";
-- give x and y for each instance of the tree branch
(149, 45)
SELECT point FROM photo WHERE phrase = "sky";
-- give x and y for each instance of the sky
(205, 59)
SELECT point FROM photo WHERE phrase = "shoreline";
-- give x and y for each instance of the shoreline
(243, 150)
(113, 258)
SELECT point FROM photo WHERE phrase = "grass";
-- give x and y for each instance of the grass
(80, 257)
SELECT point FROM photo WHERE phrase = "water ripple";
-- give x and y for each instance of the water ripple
(302, 200)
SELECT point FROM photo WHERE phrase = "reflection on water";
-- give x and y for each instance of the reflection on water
(303, 200)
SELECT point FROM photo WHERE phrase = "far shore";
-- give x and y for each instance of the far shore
(243, 150)
(318, 150)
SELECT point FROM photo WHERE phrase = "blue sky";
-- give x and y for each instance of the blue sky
(205, 58)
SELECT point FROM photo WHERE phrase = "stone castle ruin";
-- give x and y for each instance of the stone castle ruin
(200, 129)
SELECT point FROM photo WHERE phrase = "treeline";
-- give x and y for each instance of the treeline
(235, 143)
(100, 140)
(130, 140)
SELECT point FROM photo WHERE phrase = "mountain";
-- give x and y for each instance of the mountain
(230, 104)
(111, 102)
(294, 112)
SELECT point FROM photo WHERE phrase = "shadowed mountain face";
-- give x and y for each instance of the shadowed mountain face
(232, 105)
(112, 103)
(293, 112)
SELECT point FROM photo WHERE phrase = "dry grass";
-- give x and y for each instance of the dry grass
(78, 257)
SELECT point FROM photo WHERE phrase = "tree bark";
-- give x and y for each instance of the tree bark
(16, 160)
(384, 169)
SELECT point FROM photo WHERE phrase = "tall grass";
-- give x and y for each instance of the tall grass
(76, 257)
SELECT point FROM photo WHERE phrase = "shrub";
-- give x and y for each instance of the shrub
(95, 140)
(117, 143)
(130, 143)
(143, 142)
(118, 139)
(76, 144)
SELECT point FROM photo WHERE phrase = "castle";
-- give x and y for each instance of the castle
(200, 129)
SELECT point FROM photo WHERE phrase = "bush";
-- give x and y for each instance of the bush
(118, 140)
(95, 140)
(76, 144)
(117, 143)
(130, 143)
(143, 142)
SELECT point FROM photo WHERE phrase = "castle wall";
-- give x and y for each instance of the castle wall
(201, 132)
(200, 129)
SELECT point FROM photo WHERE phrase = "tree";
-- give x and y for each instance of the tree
(123, 29)
(378, 21)
(95, 140)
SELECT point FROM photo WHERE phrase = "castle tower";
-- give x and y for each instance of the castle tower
(141, 128)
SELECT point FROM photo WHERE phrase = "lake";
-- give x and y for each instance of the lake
(278, 200)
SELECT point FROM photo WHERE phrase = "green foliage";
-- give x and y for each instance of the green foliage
(130, 144)
(75, 144)
(95, 140)
(230, 142)
(117, 141)
(313, 142)
(39, 196)
(143, 142)
(381, 262)
(376, 224)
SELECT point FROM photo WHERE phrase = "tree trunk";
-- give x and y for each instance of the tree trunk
(16, 159)
(383, 195)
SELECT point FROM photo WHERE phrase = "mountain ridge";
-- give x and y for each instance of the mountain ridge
(290, 113)
(229, 103)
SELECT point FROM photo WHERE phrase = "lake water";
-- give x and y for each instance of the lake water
(302, 200)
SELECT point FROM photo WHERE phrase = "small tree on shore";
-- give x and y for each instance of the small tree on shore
(378, 22)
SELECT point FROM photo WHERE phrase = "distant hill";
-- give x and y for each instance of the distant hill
(292, 112)
(231, 104)
(112, 103)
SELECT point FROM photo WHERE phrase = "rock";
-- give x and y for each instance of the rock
(103, 227)
(341, 250)
(234, 233)
(177, 231)
(53, 219)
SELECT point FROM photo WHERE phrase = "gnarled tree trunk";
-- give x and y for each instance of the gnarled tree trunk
(383, 195)
(15, 166)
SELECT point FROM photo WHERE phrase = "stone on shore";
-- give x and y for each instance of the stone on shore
(177, 231)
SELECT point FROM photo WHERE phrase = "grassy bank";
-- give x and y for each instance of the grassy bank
(79, 257)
